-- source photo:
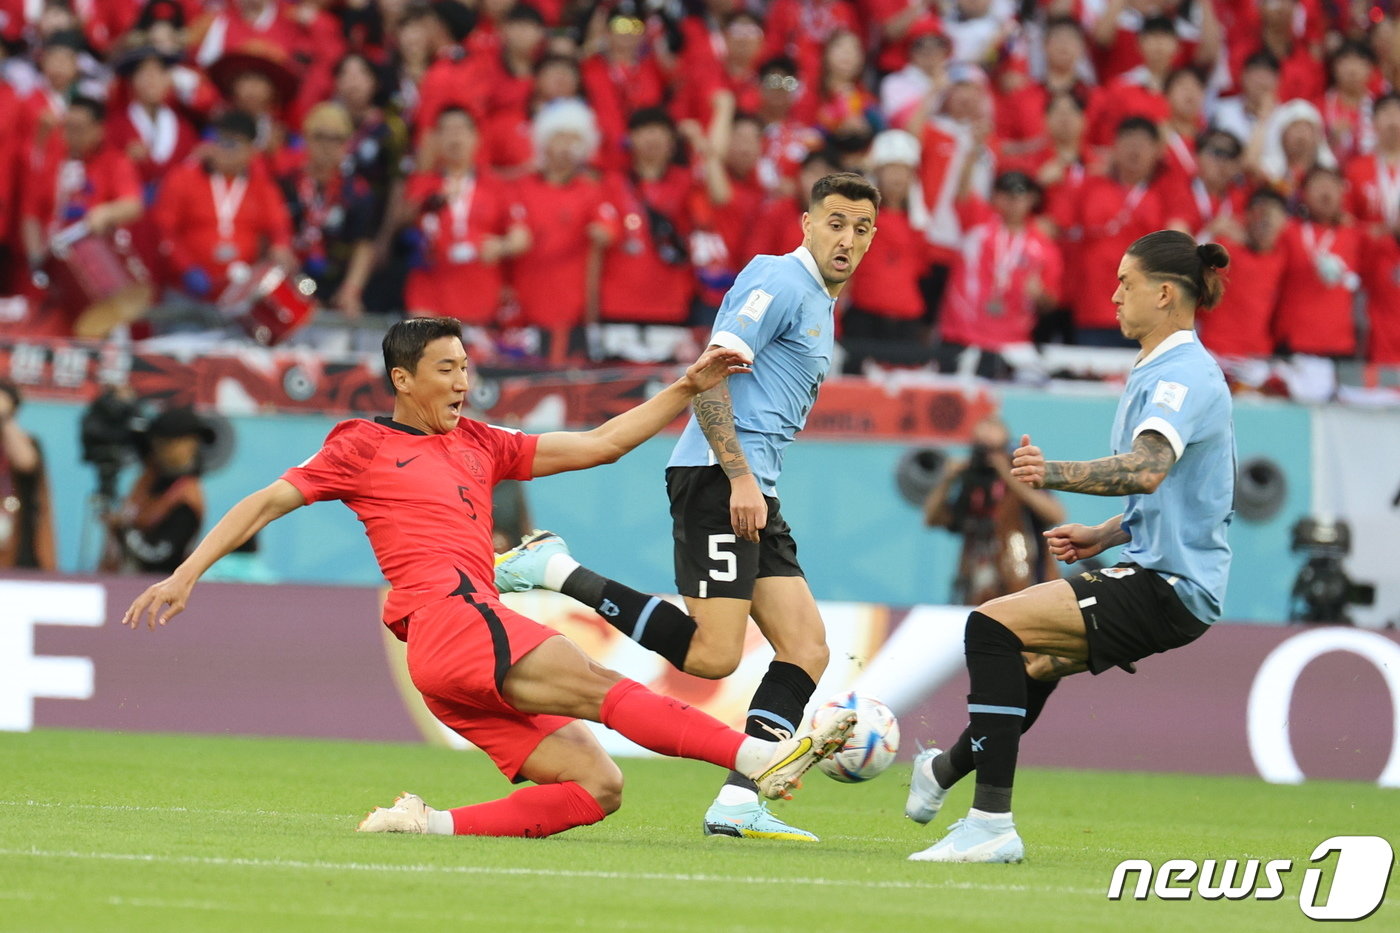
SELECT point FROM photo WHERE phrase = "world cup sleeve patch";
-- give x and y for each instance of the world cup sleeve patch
(1169, 395)
(754, 305)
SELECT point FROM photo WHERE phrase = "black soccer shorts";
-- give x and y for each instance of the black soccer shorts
(711, 560)
(1131, 612)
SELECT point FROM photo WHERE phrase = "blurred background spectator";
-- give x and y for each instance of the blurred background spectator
(535, 167)
(26, 519)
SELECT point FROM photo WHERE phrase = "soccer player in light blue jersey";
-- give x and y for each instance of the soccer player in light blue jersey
(1174, 460)
(734, 553)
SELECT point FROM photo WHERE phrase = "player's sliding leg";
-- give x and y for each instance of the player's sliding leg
(542, 560)
(1040, 619)
(936, 771)
(788, 616)
(557, 678)
(578, 785)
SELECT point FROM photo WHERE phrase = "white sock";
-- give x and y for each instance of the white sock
(731, 795)
(557, 570)
(976, 814)
(440, 823)
(754, 755)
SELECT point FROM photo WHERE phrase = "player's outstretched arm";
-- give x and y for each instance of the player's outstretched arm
(1140, 471)
(561, 451)
(163, 601)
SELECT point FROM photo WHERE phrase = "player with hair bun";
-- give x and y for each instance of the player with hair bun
(1174, 460)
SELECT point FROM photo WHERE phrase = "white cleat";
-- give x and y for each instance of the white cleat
(409, 814)
(792, 757)
(925, 794)
(974, 839)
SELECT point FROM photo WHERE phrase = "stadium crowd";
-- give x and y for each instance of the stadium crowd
(551, 164)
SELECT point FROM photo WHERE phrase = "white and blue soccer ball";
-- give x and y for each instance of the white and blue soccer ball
(872, 745)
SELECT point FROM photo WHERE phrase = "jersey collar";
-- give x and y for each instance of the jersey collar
(1172, 341)
(809, 262)
(391, 423)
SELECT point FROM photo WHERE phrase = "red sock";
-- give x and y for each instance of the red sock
(668, 726)
(541, 810)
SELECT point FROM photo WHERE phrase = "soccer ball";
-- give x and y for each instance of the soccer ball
(871, 747)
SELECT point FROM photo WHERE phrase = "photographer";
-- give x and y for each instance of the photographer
(1000, 520)
(156, 524)
(26, 523)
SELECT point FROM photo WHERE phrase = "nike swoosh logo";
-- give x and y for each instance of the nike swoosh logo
(404, 463)
(803, 747)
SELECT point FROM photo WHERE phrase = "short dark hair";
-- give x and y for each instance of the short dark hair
(554, 58)
(1074, 97)
(236, 123)
(1185, 71)
(778, 64)
(1265, 193)
(95, 108)
(1216, 134)
(851, 185)
(820, 155)
(1063, 22)
(650, 116)
(1136, 124)
(1262, 59)
(1385, 100)
(405, 341)
(1162, 24)
(1171, 254)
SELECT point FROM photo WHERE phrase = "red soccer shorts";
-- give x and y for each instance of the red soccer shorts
(459, 651)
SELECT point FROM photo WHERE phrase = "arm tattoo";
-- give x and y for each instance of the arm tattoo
(1140, 470)
(714, 412)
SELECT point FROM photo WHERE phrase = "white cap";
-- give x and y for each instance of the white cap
(895, 147)
(566, 115)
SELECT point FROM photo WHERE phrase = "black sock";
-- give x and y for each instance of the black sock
(648, 620)
(1037, 692)
(956, 761)
(778, 703)
(996, 709)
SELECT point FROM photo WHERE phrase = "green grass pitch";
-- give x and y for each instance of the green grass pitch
(102, 832)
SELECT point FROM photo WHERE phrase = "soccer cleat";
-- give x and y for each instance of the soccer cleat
(750, 821)
(409, 814)
(974, 839)
(522, 567)
(925, 794)
(792, 757)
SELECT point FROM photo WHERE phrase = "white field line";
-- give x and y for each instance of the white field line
(683, 877)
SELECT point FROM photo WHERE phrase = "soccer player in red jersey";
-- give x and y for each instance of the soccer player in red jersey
(421, 484)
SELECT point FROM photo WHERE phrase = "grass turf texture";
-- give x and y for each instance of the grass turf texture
(104, 832)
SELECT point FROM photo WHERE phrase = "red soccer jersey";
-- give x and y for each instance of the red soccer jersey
(1127, 96)
(549, 279)
(1314, 314)
(1381, 276)
(424, 499)
(1373, 189)
(991, 299)
(63, 193)
(1242, 324)
(778, 228)
(1108, 217)
(888, 281)
(640, 285)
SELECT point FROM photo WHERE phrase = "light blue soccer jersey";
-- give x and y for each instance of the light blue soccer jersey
(1179, 530)
(778, 312)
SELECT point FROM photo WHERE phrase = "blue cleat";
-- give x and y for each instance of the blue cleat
(750, 821)
(977, 839)
(925, 794)
(522, 567)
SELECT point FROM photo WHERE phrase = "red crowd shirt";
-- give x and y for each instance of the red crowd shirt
(549, 280)
(154, 145)
(616, 91)
(1188, 201)
(1242, 324)
(188, 219)
(887, 282)
(1313, 315)
(1381, 276)
(454, 282)
(1372, 185)
(638, 285)
(990, 303)
(62, 194)
(777, 229)
(424, 499)
(799, 29)
(1123, 97)
(1107, 217)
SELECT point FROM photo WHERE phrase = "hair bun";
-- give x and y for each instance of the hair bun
(1213, 255)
